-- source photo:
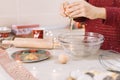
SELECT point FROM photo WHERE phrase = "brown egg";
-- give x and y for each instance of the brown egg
(63, 58)
(70, 78)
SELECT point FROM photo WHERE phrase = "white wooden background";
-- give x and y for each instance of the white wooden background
(43, 12)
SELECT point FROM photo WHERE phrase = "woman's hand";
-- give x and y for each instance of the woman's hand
(83, 9)
(63, 9)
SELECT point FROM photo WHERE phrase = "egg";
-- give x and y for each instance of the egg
(104, 76)
(75, 74)
(117, 77)
(63, 58)
(84, 77)
(92, 73)
(70, 78)
(78, 75)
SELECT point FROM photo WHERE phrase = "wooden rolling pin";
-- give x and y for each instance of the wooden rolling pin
(30, 43)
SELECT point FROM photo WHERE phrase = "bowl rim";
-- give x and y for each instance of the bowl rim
(92, 34)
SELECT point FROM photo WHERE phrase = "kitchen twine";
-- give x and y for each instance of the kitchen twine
(14, 69)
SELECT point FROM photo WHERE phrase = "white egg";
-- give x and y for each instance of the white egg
(100, 76)
(84, 77)
(75, 74)
(78, 75)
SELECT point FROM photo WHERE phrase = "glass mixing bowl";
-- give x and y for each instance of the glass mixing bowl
(80, 44)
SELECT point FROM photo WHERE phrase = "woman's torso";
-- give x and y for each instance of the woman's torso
(111, 33)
